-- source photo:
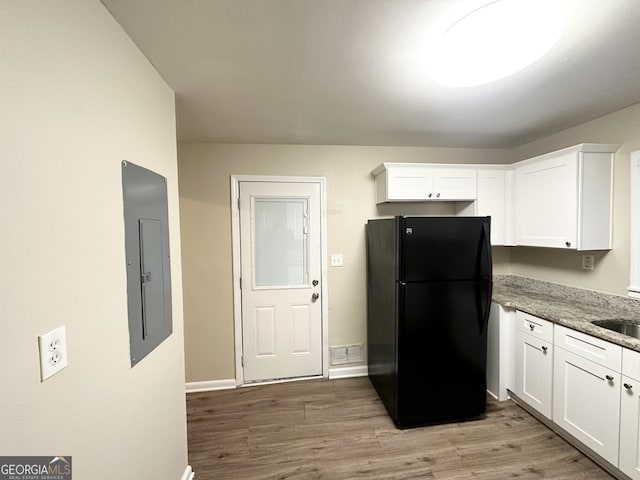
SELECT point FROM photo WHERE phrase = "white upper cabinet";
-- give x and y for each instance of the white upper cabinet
(492, 202)
(563, 199)
(454, 183)
(411, 182)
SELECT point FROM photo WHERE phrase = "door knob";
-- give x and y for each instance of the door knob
(315, 297)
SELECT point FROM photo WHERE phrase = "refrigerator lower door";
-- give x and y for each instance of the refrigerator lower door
(442, 351)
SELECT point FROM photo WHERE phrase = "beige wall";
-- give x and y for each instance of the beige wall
(76, 98)
(205, 171)
(611, 273)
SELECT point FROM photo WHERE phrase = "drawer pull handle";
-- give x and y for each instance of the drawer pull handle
(609, 377)
(544, 349)
(532, 326)
(628, 386)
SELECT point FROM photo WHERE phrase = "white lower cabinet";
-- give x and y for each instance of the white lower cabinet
(587, 386)
(630, 415)
(586, 402)
(630, 428)
(500, 351)
(534, 367)
(534, 362)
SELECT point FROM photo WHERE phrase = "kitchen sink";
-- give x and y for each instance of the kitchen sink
(626, 327)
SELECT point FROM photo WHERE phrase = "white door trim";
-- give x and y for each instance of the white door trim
(237, 269)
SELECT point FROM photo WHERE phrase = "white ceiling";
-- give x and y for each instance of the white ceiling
(352, 72)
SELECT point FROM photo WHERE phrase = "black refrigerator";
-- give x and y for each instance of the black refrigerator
(429, 285)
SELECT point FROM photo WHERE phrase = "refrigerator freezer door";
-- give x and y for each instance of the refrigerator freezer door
(442, 352)
(444, 248)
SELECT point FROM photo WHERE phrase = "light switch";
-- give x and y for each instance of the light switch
(336, 260)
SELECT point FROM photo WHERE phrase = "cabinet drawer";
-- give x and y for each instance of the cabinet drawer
(539, 328)
(631, 364)
(599, 351)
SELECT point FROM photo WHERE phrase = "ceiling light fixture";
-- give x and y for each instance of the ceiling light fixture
(496, 40)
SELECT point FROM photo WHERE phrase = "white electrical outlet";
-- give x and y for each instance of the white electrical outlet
(588, 262)
(53, 352)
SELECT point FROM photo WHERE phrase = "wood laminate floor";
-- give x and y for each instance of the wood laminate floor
(339, 429)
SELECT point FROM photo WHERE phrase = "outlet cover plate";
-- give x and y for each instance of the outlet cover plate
(588, 262)
(53, 352)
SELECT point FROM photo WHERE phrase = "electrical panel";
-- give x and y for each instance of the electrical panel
(146, 229)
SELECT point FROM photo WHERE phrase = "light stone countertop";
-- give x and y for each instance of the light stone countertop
(574, 308)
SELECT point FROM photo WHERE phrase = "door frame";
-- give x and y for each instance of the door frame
(237, 267)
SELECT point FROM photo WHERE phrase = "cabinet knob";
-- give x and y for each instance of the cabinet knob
(568, 244)
(544, 349)
(438, 195)
(628, 386)
(430, 195)
(532, 326)
(609, 377)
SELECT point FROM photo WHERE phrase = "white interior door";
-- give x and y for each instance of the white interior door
(280, 250)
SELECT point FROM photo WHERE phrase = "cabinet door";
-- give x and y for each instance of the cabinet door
(630, 428)
(500, 351)
(534, 368)
(547, 202)
(454, 184)
(586, 402)
(491, 202)
(409, 183)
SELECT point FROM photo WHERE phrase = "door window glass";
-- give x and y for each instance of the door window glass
(280, 241)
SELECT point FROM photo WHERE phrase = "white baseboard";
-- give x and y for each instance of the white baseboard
(229, 383)
(348, 372)
(210, 385)
(188, 473)
(281, 380)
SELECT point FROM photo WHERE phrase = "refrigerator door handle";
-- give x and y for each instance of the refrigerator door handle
(485, 282)
(487, 249)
